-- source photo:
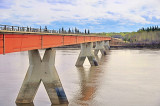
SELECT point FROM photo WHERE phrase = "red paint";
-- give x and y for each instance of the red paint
(16, 43)
(24, 42)
(87, 39)
(1, 43)
(69, 40)
(30, 42)
(51, 41)
(80, 39)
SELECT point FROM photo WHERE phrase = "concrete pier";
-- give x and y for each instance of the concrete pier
(100, 47)
(86, 51)
(106, 45)
(42, 70)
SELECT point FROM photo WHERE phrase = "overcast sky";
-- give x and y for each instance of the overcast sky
(96, 15)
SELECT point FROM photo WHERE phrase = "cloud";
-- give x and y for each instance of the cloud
(45, 12)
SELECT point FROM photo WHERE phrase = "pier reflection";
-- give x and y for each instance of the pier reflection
(25, 104)
(60, 105)
(90, 79)
(32, 104)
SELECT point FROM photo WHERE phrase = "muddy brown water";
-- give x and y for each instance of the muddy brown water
(123, 78)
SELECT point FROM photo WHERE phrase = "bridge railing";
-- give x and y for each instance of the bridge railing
(30, 29)
(17, 28)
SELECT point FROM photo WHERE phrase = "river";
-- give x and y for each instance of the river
(124, 77)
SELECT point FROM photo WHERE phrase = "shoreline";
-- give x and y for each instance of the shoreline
(114, 47)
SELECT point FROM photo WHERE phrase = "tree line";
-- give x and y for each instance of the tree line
(151, 28)
(69, 31)
(149, 36)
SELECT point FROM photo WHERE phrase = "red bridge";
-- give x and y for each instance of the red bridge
(15, 41)
(44, 69)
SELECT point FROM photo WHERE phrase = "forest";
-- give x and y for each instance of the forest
(149, 36)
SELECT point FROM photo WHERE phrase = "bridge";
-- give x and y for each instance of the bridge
(21, 39)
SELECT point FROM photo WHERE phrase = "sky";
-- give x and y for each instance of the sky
(96, 15)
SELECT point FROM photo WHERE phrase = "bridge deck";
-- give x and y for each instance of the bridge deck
(16, 41)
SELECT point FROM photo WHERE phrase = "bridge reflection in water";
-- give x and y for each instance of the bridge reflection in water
(90, 79)
(113, 84)
(32, 104)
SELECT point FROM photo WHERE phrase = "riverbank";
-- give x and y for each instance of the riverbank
(115, 47)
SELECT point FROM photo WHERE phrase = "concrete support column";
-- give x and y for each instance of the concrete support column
(86, 51)
(42, 70)
(100, 46)
(106, 45)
